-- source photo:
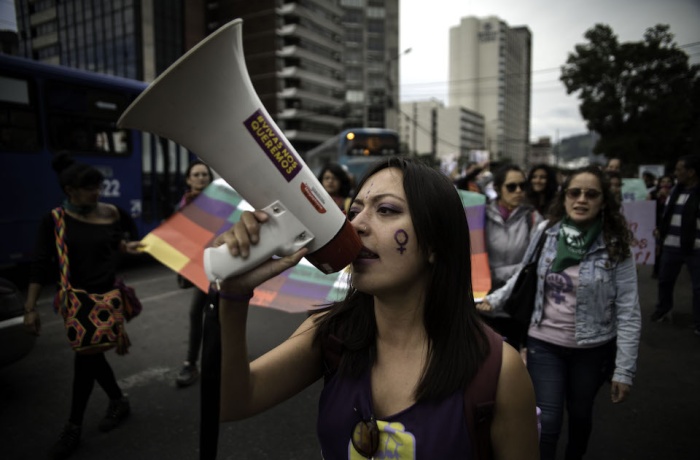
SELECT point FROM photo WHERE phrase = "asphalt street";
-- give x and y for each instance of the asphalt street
(661, 420)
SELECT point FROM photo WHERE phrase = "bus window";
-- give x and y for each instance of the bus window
(19, 129)
(84, 120)
(164, 164)
(45, 109)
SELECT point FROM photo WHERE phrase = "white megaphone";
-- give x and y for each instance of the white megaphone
(206, 102)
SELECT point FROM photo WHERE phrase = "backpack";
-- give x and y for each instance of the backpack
(479, 396)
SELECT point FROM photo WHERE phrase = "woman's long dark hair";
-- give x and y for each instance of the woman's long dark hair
(542, 200)
(616, 233)
(457, 342)
(341, 174)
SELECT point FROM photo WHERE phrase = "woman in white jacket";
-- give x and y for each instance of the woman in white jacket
(510, 223)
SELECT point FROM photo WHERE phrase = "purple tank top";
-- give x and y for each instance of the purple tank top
(423, 431)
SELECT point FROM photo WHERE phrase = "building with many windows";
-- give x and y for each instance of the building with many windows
(136, 39)
(371, 55)
(318, 66)
(293, 52)
(430, 128)
(489, 72)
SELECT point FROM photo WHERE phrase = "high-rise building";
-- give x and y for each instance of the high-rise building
(136, 39)
(371, 55)
(293, 52)
(489, 72)
(319, 65)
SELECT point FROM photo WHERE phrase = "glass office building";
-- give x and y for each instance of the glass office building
(129, 38)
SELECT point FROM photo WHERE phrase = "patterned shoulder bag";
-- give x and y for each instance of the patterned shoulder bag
(94, 322)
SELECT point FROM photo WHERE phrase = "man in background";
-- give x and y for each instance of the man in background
(679, 234)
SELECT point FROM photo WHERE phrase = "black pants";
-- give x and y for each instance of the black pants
(198, 304)
(211, 381)
(88, 369)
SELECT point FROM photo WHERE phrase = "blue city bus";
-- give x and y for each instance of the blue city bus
(47, 109)
(355, 149)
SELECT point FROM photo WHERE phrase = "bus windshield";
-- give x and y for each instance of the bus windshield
(370, 144)
(354, 149)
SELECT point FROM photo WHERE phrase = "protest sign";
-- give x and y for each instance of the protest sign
(641, 218)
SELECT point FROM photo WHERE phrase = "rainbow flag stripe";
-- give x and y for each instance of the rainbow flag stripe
(475, 209)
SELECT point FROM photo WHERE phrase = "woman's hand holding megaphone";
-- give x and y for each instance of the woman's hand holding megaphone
(239, 238)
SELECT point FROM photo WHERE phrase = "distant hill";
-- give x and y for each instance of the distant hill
(580, 145)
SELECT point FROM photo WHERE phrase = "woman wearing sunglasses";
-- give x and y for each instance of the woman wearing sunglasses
(510, 223)
(586, 321)
(407, 338)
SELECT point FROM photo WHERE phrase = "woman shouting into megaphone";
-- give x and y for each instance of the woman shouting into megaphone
(400, 352)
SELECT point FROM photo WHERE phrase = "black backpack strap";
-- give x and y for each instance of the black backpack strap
(480, 398)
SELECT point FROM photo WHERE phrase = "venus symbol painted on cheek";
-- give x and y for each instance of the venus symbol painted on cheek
(401, 238)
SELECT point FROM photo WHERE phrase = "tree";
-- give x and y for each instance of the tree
(642, 98)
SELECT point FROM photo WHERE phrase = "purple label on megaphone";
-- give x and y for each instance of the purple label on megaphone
(273, 144)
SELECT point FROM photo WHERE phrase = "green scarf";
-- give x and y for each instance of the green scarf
(574, 243)
(83, 210)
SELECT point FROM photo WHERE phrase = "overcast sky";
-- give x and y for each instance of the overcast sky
(556, 26)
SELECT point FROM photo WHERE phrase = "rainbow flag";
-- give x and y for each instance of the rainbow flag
(475, 208)
(180, 241)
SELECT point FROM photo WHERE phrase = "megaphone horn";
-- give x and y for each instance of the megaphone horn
(206, 102)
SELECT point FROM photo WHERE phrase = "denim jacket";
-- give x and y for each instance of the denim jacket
(607, 300)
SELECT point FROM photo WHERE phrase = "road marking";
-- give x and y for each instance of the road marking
(145, 377)
(12, 322)
(164, 295)
(144, 300)
(47, 297)
(150, 280)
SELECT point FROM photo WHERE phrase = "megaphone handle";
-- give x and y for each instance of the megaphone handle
(283, 234)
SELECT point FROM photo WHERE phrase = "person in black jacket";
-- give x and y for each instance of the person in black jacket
(680, 238)
(94, 235)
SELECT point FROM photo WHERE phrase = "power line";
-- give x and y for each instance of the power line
(511, 74)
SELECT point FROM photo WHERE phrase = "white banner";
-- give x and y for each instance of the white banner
(641, 218)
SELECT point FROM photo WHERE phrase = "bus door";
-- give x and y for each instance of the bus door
(163, 163)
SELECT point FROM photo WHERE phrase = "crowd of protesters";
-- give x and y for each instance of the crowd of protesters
(587, 307)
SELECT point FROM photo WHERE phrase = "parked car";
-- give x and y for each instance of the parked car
(15, 342)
